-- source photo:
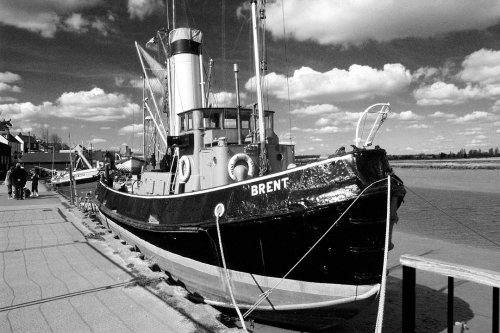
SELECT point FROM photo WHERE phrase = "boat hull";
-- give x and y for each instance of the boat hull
(297, 304)
(80, 177)
(269, 224)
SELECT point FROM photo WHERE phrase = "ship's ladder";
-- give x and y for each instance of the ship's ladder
(174, 175)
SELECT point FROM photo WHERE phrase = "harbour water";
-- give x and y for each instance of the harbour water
(461, 206)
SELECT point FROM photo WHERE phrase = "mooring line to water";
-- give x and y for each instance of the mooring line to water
(63, 296)
(453, 218)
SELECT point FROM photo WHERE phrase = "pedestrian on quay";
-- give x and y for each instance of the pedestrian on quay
(34, 184)
(8, 182)
(19, 181)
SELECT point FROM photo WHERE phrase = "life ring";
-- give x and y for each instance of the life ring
(235, 159)
(184, 169)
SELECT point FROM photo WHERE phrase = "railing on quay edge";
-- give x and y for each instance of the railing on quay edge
(411, 263)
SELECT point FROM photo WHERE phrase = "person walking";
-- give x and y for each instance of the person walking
(8, 182)
(34, 184)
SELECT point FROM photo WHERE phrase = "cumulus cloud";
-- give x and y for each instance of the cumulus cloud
(470, 117)
(482, 67)
(7, 99)
(478, 78)
(353, 21)
(316, 109)
(141, 8)
(93, 106)
(98, 140)
(325, 130)
(46, 17)
(131, 129)
(419, 126)
(6, 82)
(77, 23)
(407, 116)
(439, 114)
(357, 82)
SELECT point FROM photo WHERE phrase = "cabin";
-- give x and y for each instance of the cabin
(225, 149)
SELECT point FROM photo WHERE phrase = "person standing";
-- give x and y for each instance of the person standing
(8, 182)
(34, 184)
(19, 181)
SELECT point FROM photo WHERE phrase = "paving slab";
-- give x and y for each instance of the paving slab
(55, 277)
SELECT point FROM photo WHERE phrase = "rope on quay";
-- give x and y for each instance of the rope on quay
(266, 294)
(218, 212)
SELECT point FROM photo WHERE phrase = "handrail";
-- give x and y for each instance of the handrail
(385, 108)
(411, 263)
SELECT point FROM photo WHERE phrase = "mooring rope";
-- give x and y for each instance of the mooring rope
(218, 212)
(266, 294)
(383, 283)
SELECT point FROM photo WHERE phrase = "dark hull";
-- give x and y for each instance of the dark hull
(266, 231)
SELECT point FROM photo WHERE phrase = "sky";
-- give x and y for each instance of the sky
(70, 66)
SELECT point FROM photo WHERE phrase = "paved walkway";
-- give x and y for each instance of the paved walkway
(55, 278)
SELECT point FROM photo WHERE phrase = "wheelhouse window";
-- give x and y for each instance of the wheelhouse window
(211, 121)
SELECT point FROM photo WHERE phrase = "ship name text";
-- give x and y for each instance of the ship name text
(270, 186)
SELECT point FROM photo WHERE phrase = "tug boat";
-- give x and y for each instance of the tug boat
(295, 246)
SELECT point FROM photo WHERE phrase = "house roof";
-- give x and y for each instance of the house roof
(45, 158)
(10, 138)
(26, 138)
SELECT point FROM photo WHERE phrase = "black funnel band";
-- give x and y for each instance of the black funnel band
(185, 46)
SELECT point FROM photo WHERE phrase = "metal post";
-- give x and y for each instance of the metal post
(409, 280)
(496, 310)
(451, 292)
(238, 108)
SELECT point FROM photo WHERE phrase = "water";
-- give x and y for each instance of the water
(461, 206)
(81, 189)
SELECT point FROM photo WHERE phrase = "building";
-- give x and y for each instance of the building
(5, 159)
(8, 139)
(29, 143)
(57, 161)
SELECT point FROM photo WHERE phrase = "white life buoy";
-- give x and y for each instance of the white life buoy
(184, 169)
(235, 159)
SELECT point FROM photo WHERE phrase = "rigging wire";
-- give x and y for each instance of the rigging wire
(286, 71)
(266, 293)
(454, 219)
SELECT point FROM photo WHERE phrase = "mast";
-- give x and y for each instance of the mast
(144, 117)
(262, 129)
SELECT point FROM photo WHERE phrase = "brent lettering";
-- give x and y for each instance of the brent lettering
(270, 186)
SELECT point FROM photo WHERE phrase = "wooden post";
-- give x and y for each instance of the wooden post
(451, 292)
(409, 280)
(496, 310)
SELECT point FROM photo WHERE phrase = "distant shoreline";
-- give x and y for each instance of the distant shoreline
(461, 164)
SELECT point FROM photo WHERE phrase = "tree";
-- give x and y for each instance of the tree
(55, 141)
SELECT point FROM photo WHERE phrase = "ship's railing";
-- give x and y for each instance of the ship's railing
(382, 110)
(453, 271)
